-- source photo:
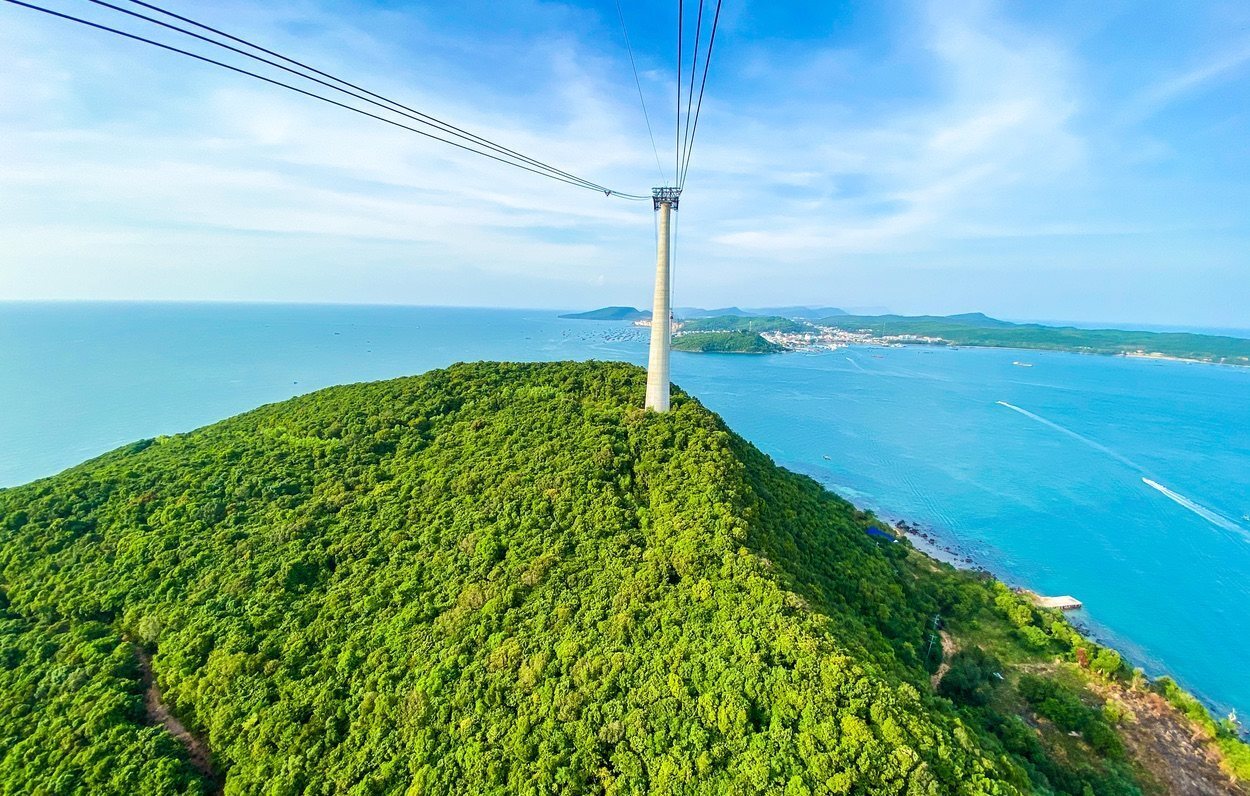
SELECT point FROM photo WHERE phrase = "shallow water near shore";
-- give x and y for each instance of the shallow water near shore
(1122, 482)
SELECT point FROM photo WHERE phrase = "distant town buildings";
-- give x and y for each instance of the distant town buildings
(826, 338)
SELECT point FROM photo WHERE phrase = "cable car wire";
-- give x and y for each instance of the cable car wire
(694, 68)
(681, 16)
(641, 99)
(412, 114)
(699, 105)
(425, 118)
(576, 181)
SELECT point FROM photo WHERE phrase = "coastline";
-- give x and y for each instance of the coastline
(1119, 354)
(1189, 360)
(928, 543)
(740, 353)
(1113, 354)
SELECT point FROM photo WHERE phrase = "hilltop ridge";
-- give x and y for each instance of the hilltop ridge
(508, 578)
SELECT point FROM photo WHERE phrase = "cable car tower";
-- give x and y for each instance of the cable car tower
(664, 201)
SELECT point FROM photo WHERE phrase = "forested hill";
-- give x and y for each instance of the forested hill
(735, 323)
(509, 579)
(725, 343)
(610, 314)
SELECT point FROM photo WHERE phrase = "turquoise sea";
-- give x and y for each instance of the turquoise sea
(1123, 482)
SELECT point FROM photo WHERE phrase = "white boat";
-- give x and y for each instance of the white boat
(1020, 364)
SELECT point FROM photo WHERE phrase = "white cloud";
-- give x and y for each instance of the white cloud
(123, 169)
(1154, 99)
(998, 126)
(237, 160)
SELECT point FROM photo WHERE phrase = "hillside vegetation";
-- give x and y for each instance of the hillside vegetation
(975, 329)
(724, 343)
(506, 578)
(734, 323)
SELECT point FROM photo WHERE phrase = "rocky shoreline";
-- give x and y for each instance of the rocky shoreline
(928, 542)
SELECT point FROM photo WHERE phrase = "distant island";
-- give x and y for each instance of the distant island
(725, 343)
(610, 314)
(795, 328)
(976, 329)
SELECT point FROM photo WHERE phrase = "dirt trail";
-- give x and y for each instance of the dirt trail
(158, 713)
(1179, 757)
(949, 648)
(1168, 745)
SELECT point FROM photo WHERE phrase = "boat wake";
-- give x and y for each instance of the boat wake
(1098, 446)
(1218, 520)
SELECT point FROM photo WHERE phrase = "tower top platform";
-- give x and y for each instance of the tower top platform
(664, 195)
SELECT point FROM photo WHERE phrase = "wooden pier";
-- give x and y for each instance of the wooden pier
(1063, 602)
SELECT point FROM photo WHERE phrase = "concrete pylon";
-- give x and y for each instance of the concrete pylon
(658, 380)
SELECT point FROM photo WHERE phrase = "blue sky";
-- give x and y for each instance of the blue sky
(1060, 160)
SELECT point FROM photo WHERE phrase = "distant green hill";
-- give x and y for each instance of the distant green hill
(610, 314)
(510, 579)
(735, 323)
(798, 311)
(975, 329)
(697, 312)
(976, 320)
(724, 343)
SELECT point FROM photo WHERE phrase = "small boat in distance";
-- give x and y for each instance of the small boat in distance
(1020, 364)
